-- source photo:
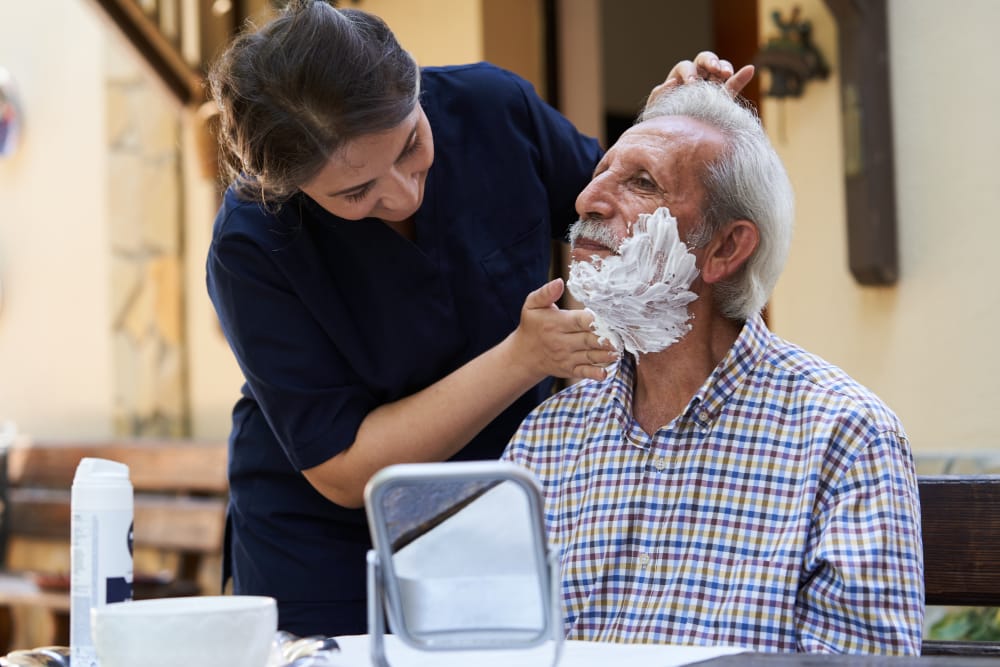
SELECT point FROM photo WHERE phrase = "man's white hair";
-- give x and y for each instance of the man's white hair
(746, 181)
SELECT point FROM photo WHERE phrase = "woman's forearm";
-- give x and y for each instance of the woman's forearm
(436, 422)
(430, 425)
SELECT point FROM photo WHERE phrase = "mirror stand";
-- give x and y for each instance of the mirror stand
(376, 611)
(555, 606)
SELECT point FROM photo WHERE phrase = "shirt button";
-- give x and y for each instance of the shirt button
(644, 560)
(703, 416)
(659, 463)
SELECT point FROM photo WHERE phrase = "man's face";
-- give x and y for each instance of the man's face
(656, 163)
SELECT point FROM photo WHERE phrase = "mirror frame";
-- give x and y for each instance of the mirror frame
(384, 597)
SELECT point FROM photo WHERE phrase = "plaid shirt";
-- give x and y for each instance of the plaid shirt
(778, 512)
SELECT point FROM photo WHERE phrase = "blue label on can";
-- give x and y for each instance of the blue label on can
(118, 589)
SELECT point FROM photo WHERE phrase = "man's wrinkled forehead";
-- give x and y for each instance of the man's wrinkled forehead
(670, 138)
(677, 125)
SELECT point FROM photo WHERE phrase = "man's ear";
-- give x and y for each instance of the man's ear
(729, 250)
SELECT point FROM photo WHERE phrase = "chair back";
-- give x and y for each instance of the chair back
(961, 534)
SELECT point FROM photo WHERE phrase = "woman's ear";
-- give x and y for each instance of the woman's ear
(729, 250)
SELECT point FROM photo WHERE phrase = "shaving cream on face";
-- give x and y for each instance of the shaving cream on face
(639, 297)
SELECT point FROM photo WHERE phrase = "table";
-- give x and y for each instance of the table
(816, 660)
(354, 653)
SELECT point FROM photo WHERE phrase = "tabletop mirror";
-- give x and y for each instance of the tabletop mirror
(460, 559)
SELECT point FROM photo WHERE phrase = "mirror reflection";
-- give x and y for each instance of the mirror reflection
(468, 565)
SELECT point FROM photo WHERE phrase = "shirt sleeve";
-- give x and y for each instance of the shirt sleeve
(299, 378)
(862, 588)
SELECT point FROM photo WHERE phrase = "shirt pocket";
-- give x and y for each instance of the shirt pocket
(726, 596)
(517, 268)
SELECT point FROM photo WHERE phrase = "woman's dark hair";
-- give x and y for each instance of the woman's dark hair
(295, 91)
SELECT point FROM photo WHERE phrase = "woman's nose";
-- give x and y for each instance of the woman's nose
(404, 192)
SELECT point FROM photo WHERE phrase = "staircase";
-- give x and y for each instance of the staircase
(179, 38)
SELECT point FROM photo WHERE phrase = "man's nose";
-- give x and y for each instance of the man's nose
(596, 199)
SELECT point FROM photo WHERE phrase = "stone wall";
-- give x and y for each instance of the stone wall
(146, 231)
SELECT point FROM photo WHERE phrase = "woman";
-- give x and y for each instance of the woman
(372, 266)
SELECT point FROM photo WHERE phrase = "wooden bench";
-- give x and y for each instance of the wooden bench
(180, 492)
(961, 533)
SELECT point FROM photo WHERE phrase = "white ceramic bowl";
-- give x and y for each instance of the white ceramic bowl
(207, 631)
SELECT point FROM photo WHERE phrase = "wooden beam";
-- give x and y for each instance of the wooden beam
(183, 80)
(735, 38)
(869, 172)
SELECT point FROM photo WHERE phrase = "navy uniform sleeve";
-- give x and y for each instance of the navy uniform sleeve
(566, 157)
(301, 381)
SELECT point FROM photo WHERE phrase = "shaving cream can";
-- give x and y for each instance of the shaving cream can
(101, 548)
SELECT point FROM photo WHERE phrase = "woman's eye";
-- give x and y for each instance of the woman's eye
(411, 149)
(355, 197)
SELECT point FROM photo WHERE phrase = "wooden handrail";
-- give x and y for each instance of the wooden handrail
(182, 79)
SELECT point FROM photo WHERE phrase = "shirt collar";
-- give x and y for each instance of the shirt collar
(748, 350)
(621, 380)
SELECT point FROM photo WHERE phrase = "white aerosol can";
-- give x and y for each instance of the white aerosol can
(101, 548)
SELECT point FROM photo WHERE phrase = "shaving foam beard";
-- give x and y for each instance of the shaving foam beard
(638, 297)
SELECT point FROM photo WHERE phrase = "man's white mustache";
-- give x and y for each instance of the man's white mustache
(588, 229)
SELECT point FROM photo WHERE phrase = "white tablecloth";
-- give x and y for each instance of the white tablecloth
(355, 653)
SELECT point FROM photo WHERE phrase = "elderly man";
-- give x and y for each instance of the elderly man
(721, 486)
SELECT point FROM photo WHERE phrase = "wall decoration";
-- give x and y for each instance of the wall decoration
(10, 114)
(791, 58)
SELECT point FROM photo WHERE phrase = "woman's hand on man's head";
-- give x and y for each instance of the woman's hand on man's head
(710, 67)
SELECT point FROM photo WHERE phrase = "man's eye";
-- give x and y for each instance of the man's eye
(644, 182)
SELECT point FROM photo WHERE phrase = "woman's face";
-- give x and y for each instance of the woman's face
(379, 175)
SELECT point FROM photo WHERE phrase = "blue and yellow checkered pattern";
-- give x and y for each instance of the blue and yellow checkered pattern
(778, 512)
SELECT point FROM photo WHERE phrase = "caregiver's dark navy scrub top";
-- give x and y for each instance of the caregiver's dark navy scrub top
(331, 318)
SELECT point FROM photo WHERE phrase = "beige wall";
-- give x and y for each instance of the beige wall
(55, 345)
(926, 345)
(581, 71)
(436, 32)
(507, 33)
(512, 33)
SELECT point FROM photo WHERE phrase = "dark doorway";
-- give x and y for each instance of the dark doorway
(642, 39)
